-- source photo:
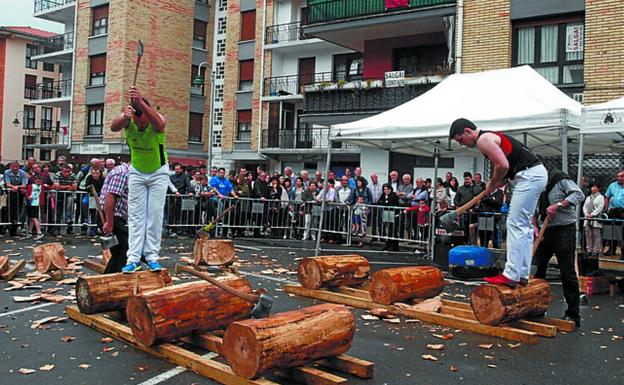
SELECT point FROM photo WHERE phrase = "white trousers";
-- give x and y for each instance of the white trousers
(528, 185)
(146, 208)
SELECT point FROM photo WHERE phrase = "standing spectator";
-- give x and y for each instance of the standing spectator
(114, 201)
(420, 193)
(422, 220)
(592, 209)
(65, 186)
(441, 193)
(309, 200)
(306, 178)
(289, 174)
(615, 203)
(584, 186)
(404, 190)
(36, 198)
(241, 213)
(182, 183)
(204, 209)
(89, 211)
(357, 173)
(329, 195)
(58, 165)
(452, 191)
(477, 184)
(360, 190)
(343, 196)
(389, 199)
(29, 163)
(360, 213)
(260, 191)
(15, 181)
(489, 208)
(318, 176)
(224, 189)
(376, 190)
(394, 180)
(331, 174)
(109, 165)
(465, 192)
(447, 179)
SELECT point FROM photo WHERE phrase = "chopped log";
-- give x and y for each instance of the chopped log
(331, 271)
(256, 346)
(496, 304)
(100, 293)
(4, 264)
(404, 283)
(13, 270)
(50, 256)
(194, 307)
(106, 256)
(213, 252)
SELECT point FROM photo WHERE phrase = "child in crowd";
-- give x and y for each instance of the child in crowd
(360, 212)
(35, 199)
(422, 218)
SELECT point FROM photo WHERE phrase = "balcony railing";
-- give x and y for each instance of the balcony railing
(46, 136)
(46, 5)
(301, 138)
(51, 90)
(320, 11)
(284, 32)
(58, 43)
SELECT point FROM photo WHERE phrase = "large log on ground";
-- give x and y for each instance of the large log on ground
(50, 256)
(331, 271)
(256, 346)
(194, 307)
(213, 252)
(404, 283)
(107, 292)
(495, 304)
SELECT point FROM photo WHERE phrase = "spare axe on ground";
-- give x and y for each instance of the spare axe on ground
(450, 220)
(263, 303)
(107, 240)
(205, 231)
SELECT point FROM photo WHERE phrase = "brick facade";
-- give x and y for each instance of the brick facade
(486, 35)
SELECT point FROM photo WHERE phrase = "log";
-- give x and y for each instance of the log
(405, 283)
(50, 256)
(107, 292)
(331, 271)
(194, 307)
(285, 340)
(213, 252)
(496, 304)
(13, 270)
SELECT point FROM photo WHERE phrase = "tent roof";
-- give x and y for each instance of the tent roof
(515, 100)
(605, 118)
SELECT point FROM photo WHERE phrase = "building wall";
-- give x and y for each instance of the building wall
(487, 35)
(604, 66)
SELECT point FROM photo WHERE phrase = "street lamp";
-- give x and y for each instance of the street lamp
(198, 82)
(16, 121)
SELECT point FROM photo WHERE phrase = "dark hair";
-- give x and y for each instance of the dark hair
(593, 184)
(312, 183)
(439, 180)
(459, 125)
(222, 168)
(467, 174)
(388, 185)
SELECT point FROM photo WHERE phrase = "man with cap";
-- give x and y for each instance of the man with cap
(514, 161)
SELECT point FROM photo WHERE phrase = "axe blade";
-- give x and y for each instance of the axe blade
(262, 308)
(139, 48)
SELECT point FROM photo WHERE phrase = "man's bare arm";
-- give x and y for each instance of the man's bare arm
(488, 147)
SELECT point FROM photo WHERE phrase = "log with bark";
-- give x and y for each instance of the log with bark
(194, 307)
(405, 283)
(496, 304)
(331, 271)
(257, 346)
(50, 256)
(213, 252)
(107, 292)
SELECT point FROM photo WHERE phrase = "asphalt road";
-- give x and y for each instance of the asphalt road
(593, 354)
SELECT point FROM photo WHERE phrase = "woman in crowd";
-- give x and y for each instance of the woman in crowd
(360, 191)
(276, 214)
(389, 199)
(593, 209)
(441, 193)
(451, 191)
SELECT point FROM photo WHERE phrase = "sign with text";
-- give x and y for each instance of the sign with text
(394, 78)
(574, 38)
(94, 149)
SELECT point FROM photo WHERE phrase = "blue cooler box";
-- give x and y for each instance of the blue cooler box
(469, 261)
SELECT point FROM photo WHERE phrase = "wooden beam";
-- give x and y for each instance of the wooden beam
(435, 318)
(351, 365)
(13, 270)
(311, 376)
(174, 354)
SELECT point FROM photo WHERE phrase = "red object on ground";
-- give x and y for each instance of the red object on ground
(396, 3)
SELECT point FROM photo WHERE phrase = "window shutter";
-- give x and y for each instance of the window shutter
(244, 116)
(246, 70)
(100, 12)
(98, 64)
(248, 25)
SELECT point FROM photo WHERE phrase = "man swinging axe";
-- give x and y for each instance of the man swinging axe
(527, 175)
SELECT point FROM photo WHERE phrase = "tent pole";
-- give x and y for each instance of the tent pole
(579, 175)
(321, 218)
(564, 149)
(436, 161)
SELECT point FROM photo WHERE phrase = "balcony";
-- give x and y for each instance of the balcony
(53, 94)
(60, 11)
(301, 140)
(57, 49)
(289, 38)
(350, 23)
(286, 87)
(46, 137)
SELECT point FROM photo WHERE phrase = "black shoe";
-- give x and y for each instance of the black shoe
(523, 281)
(575, 319)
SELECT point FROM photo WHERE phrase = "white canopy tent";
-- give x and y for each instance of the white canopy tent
(515, 100)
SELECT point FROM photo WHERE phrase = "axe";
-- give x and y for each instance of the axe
(109, 240)
(449, 221)
(139, 55)
(205, 231)
(263, 303)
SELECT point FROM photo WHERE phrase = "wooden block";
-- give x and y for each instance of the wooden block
(174, 354)
(13, 270)
(213, 252)
(95, 265)
(311, 376)
(594, 285)
(350, 365)
(49, 257)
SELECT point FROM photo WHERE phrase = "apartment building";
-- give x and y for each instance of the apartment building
(27, 126)
(177, 41)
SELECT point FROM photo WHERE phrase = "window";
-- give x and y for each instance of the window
(199, 34)
(421, 60)
(26, 140)
(45, 154)
(29, 118)
(553, 48)
(95, 120)
(195, 127)
(48, 67)
(246, 68)
(31, 50)
(248, 25)
(46, 118)
(243, 132)
(99, 17)
(47, 89)
(30, 87)
(98, 70)
(348, 67)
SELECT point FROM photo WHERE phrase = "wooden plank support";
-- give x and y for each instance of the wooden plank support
(435, 318)
(13, 270)
(95, 265)
(311, 376)
(351, 365)
(174, 354)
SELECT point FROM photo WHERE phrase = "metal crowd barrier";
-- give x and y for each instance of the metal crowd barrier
(602, 236)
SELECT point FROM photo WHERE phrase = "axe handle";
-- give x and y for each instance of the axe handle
(136, 69)
(459, 211)
(224, 213)
(97, 204)
(253, 298)
(540, 236)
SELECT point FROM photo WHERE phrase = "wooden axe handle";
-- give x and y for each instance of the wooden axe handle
(470, 204)
(97, 204)
(540, 236)
(237, 293)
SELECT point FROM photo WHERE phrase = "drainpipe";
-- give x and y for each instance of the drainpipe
(73, 81)
(460, 36)
(260, 114)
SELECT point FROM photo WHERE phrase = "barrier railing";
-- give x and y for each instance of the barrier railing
(602, 237)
